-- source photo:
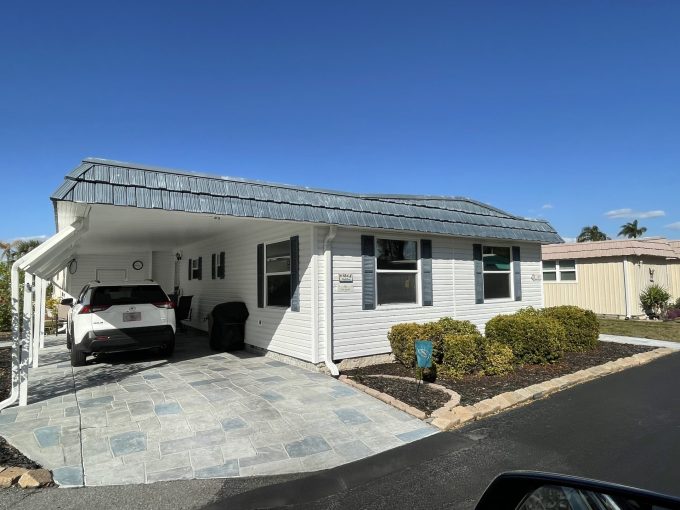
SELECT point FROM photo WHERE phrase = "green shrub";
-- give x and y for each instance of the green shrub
(5, 298)
(581, 326)
(532, 336)
(401, 337)
(462, 354)
(654, 300)
(436, 331)
(496, 358)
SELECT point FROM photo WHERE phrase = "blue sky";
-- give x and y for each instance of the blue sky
(562, 110)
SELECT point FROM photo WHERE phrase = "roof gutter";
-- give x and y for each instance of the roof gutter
(328, 312)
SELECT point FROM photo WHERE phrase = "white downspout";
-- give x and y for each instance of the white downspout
(626, 287)
(315, 295)
(328, 312)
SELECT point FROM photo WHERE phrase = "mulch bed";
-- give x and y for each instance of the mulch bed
(419, 396)
(10, 456)
(473, 388)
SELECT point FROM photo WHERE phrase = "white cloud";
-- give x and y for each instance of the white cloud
(569, 239)
(630, 213)
(28, 238)
(674, 226)
(547, 206)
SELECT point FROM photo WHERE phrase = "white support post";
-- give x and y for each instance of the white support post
(43, 298)
(25, 339)
(39, 311)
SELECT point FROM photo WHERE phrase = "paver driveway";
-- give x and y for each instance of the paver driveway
(138, 418)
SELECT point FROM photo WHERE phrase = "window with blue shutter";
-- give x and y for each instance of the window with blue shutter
(260, 275)
(426, 270)
(517, 272)
(479, 273)
(295, 273)
(368, 272)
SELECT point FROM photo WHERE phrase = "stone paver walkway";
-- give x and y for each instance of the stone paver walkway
(137, 418)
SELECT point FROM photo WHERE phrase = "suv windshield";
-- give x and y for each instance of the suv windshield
(127, 295)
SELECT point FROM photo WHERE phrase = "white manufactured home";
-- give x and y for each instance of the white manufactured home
(324, 274)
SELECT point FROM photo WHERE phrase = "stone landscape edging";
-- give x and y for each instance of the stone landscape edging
(25, 478)
(448, 417)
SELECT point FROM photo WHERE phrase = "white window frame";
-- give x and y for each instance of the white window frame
(416, 271)
(279, 273)
(509, 272)
(558, 272)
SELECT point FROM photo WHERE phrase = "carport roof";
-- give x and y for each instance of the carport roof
(100, 181)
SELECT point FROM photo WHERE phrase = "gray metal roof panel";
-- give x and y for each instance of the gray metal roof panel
(101, 181)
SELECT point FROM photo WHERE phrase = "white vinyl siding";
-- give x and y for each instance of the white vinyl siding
(274, 328)
(113, 263)
(360, 332)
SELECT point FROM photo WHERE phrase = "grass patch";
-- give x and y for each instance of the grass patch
(655, 330)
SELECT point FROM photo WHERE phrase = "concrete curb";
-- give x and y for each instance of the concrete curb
(452, 415)
(461, 415)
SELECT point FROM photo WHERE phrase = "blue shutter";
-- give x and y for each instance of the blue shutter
(223, 267)
(517, 272)
(426, 270)
(200, 268)
(213, 266)
(260, 275)
(479, 273)
(368, 272)
(190, 269)
(295, 274)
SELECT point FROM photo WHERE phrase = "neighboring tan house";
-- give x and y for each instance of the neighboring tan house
(607, 277)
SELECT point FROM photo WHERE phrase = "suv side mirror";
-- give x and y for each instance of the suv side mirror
(523, 490)
(67, 301)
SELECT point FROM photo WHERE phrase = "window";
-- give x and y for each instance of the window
(218, 265)
(277, 271)
(559, 270)
(497, 268)
(397, 269)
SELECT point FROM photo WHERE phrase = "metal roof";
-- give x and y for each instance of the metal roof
(100, 181)
(650, 246)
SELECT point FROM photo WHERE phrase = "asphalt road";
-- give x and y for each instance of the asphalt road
(623, 428)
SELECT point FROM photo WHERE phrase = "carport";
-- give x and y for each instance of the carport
(173, 227)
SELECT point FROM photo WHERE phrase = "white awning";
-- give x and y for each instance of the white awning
(52, 255)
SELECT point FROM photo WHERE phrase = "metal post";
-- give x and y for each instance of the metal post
(25, 339)
(39, 310)
(43, 300)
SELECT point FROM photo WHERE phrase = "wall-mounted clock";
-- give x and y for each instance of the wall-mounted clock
(137, 265)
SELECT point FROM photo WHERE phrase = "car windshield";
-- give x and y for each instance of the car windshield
(127, 295)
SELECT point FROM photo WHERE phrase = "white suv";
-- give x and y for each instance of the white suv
(112, 317)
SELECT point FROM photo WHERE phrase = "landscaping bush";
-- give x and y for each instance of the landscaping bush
(462, 354)
(436, 331)
(496, 358)
(532, 336)
(401, 337)
(672, 314)
(581, 326)
(654, 300)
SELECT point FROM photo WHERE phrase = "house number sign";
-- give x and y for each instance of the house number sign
(346, 278)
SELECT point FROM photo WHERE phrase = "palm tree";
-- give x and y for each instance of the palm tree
(6, 248)
(631, 230)
(14, 250)
(593, 233)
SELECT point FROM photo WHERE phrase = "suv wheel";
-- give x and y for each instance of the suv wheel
(69, 340)
(78, 358)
